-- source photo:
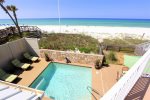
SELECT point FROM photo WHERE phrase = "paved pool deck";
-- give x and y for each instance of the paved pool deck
(102, 80)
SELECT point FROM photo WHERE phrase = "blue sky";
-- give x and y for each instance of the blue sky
(139, 9)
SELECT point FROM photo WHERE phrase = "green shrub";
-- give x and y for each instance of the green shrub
(13, 37)
(112, 56)
(105, 62)
(25, 34)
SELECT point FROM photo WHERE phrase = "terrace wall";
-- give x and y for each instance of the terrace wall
(73, 57)
(16, 49)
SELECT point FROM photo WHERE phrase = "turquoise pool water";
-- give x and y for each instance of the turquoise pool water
(65, 82)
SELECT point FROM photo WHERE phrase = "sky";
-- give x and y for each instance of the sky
(129, 9)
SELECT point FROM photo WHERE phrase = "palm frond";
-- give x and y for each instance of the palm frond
(11, 8)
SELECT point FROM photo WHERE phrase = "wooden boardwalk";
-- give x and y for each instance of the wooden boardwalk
(5, 33)
(139, 89)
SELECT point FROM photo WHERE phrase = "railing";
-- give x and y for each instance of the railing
(23, 88)
(90, 88)
(34, 31)
(142, 48)
(29, 28)
(121, 89)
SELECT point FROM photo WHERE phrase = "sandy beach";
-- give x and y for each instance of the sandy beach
(98, 32)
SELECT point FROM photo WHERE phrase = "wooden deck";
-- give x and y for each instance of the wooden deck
(27, 77)
(102, 80)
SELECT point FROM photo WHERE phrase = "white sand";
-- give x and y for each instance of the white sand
(99, 32)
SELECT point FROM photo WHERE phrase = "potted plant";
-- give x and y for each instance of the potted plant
(98, 64)
(46, 57)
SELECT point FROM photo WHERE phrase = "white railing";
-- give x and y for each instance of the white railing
(121, 89)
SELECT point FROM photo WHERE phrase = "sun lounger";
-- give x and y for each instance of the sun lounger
(18, 64)
(29, 57)
(7, 77)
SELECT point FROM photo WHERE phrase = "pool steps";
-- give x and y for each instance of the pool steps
(41, 81)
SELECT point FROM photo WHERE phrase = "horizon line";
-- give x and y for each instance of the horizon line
(83, 18)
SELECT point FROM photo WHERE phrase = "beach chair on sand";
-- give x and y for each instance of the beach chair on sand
(18, 64)
(7, 77)
(29, 57)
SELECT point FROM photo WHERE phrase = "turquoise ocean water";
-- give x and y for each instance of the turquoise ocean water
(65, 82)
(83, 22)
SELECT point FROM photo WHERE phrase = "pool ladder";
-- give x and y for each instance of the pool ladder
(90, 88)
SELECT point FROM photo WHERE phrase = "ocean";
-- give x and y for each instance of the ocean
(82, 22)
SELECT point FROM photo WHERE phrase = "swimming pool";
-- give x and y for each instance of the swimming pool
(65, 82)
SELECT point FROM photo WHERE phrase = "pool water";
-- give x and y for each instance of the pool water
(65, 82)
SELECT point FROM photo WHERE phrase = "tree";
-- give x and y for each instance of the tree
(13, 9)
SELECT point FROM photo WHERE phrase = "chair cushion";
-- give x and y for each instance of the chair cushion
(24, 65)
(9, 77)
(34, 58)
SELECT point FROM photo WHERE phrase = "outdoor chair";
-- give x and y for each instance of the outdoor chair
(18, 64)
(30, 57)
(7, 77)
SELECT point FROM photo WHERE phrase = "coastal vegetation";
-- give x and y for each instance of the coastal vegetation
(123, 45)
(16, 36)
(112, 56)
(61, 41)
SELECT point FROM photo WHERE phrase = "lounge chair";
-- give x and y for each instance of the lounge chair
(7, 77)
(17, 63)
(29, 57)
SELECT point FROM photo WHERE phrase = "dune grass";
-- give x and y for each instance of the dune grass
(61, 41)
